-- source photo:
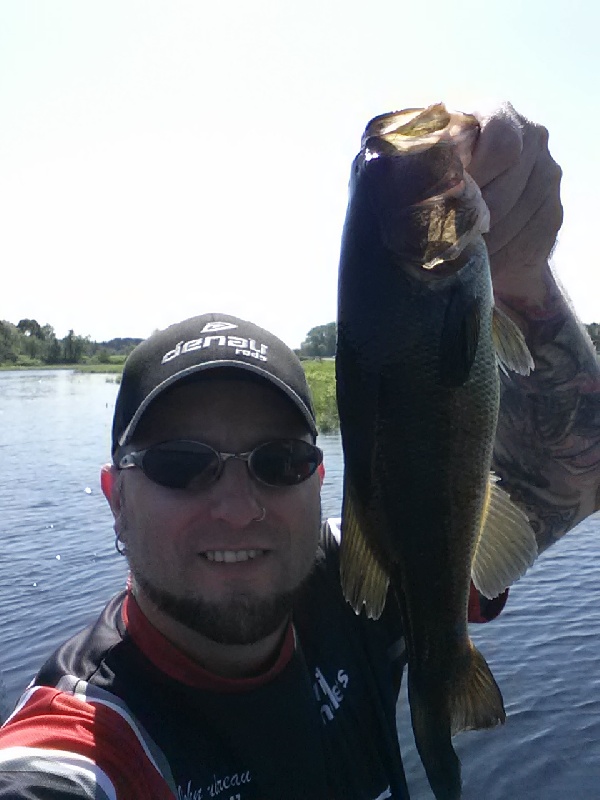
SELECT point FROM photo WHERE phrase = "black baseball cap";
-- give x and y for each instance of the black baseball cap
(196, 345)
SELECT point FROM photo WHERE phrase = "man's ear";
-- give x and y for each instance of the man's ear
(110, 488)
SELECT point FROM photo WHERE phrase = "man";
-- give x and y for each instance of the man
(232, 667)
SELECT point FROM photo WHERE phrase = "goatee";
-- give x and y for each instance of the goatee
(241, 619)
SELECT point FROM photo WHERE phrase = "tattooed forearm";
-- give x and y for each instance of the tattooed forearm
(547, 449)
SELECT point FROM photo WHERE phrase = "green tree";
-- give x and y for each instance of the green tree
(9, 342)
(30, 327)
(31, 340)
(32, 346)
(320, 341)
(73, 348)
(53, 352)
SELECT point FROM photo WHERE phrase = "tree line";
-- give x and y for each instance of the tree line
(29, 344)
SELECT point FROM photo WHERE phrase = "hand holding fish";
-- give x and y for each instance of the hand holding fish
(520, 183)
(547, 448)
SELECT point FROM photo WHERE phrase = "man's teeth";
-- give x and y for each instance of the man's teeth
(230, 556)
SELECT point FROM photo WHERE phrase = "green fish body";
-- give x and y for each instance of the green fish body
(418, 397)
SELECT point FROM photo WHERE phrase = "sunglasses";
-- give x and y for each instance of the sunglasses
(194, 465)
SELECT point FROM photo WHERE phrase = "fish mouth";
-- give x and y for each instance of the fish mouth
(429, 207)
(232, 556)
(416, 129)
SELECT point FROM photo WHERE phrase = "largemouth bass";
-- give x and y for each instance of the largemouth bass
(419, 343)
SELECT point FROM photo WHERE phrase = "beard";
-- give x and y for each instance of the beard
(239, 620)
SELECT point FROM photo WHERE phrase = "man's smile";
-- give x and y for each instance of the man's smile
(232, 556)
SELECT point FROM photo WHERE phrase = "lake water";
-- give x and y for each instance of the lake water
(58, 567)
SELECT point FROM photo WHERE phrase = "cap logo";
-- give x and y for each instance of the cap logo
(212, 327)
(241, 346)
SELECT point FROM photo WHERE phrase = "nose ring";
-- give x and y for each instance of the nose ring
(263, 514)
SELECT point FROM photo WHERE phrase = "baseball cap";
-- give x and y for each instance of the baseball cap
(197, 345)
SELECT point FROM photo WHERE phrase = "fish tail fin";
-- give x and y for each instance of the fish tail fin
(363, 579)
(475, 699)
(470, 700)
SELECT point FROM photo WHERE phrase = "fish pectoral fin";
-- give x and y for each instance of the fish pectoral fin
(364, 581)
(506, 546)
(459, 339)
(511, 349)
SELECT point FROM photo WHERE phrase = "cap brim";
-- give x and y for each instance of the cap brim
(127, 434)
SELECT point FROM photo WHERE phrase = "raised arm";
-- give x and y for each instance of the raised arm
(547, 450)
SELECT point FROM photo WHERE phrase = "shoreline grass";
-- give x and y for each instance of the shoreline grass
(320, 375)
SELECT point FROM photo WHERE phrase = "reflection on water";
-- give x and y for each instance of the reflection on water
(59, 567)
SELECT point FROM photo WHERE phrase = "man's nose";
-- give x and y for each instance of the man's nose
(235, 496)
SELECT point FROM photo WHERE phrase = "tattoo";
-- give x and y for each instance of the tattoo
(547, 449)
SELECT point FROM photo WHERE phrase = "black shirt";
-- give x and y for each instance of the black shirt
(118, 712)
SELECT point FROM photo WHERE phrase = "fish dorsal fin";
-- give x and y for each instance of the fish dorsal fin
(510, 345)
(506, 547)
(364, 581)
(458, 342)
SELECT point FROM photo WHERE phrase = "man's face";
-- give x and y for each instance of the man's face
(181, 543)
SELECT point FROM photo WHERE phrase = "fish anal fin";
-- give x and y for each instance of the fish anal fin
(364, 581)
(506, 546)
(511, 349)
(460, 336)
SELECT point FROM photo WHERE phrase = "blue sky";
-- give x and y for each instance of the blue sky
(162, 159)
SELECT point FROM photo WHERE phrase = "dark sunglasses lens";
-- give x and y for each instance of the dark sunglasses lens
(286, 462)
(178, 466)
